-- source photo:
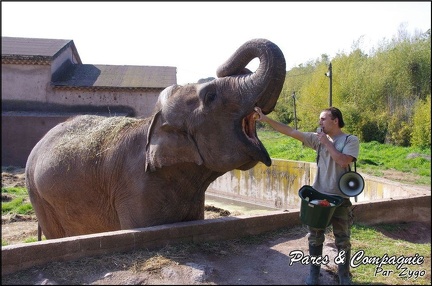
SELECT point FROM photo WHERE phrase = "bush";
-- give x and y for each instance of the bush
(421, 135)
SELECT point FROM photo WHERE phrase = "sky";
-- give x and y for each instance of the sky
(197, 37)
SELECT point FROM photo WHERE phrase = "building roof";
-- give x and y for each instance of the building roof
(35, 50)
(78, 75)
(109, 76)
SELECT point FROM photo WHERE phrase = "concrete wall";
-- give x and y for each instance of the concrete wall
(22, 256)
(277, 186)
(25, 82)
(30, 85)
(141, 102)
(20, 133)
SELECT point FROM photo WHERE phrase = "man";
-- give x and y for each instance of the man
(335, 152)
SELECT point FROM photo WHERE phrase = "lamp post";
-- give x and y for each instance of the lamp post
(295, 114)
(329, 73)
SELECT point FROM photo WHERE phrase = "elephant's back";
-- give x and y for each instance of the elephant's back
(87, 135)
(78, 143)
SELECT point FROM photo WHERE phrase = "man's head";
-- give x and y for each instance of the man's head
(331, 120)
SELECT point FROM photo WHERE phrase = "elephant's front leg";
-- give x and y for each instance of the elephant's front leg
(157, 210)
(196, 210)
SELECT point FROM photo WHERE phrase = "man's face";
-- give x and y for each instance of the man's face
(327, 123)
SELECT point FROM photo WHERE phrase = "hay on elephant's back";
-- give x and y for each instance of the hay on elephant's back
(90, 135)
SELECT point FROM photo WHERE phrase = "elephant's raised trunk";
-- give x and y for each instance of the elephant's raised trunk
(267, 81)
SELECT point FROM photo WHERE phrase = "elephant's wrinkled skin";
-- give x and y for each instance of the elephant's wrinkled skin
(93, 174)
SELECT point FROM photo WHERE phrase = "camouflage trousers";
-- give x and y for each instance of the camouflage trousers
(341, 222)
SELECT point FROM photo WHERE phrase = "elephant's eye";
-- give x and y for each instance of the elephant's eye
(209, 97)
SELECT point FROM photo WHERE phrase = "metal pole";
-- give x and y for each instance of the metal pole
(295, 113)
(330, 74)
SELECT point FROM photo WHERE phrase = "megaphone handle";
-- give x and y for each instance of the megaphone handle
(355, 167)
(355, 170)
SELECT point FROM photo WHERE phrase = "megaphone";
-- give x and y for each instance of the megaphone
(351, 183)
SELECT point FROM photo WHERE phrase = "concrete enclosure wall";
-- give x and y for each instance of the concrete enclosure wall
(277, 186)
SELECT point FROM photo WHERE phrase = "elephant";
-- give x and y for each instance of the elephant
(93, 173)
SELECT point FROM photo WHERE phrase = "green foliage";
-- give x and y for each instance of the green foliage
(284, 114)
(399, 131)
(421, 134)
(281, 146)
(381, 94)
(372, 131)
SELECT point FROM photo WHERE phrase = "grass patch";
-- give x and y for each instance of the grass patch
(374, 243)
(15, 200)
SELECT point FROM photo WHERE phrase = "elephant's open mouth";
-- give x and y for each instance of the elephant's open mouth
(258, 151)
(249, 128)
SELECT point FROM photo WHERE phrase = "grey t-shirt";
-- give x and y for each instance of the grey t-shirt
(329, 172)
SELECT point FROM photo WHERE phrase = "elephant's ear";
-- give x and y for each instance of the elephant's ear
(167, 146)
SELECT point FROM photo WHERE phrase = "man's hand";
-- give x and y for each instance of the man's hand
(322, 137)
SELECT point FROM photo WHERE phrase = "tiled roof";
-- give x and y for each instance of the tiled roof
(108, 76)
(34, 50)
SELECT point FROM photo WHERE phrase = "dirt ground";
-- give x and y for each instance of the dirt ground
(258, 260)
